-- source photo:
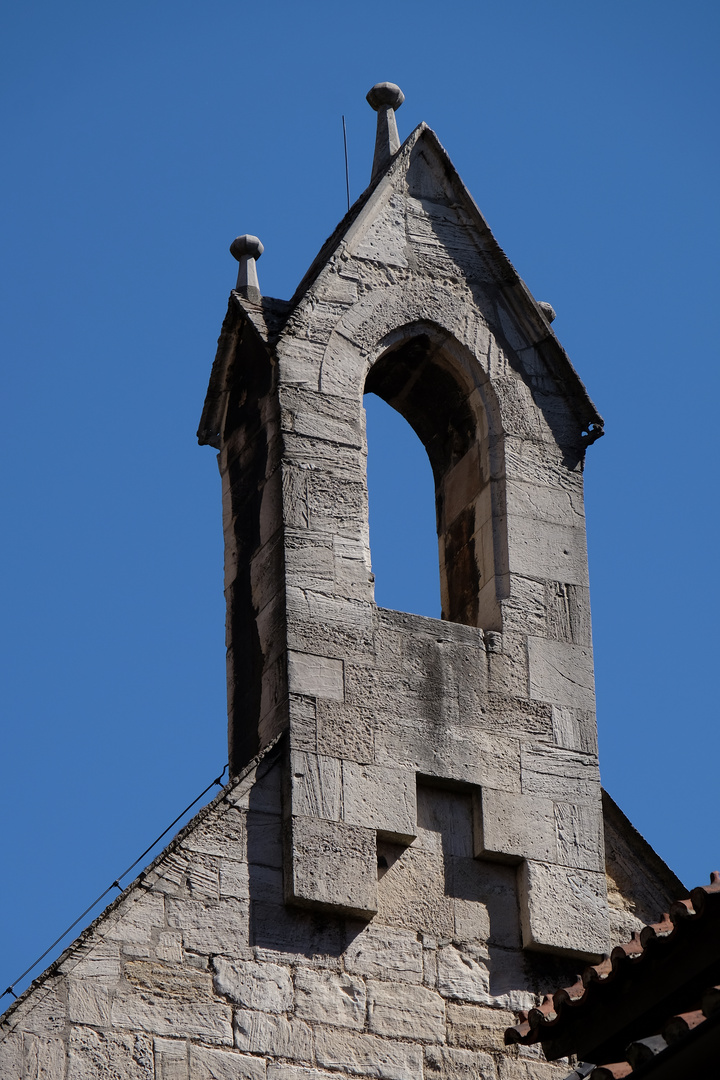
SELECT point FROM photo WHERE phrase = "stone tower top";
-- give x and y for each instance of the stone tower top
(412, 299)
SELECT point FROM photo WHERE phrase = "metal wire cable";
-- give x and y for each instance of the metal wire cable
(115, 885)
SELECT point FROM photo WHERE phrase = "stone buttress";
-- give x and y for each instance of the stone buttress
(413, 300)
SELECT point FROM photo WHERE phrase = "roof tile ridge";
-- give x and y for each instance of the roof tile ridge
(532, 1024)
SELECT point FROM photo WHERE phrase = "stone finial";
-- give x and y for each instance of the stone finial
(247, 249)
(547, 309)
(385, 98)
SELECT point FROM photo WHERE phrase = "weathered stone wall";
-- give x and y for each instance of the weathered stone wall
(201, 972)
(415, 301)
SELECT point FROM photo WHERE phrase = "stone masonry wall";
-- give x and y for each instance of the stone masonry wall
(500, 696)
(200, 972)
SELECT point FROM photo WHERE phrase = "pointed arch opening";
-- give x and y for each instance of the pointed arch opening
(401, 503)
(426, 376)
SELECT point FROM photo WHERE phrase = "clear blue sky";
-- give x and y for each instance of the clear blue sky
(140, 138)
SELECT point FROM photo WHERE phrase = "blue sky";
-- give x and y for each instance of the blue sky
(140, 139)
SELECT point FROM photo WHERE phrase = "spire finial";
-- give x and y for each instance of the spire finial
(247, 249)
(385, 98)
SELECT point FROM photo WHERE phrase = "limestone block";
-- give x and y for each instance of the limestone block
(315, 676)
(234, 880)
(45, 1014)
(42, 1058)
(333, 864)
(520, 416)
(510, 1068)
(320, 624)
(330, 998)
(411, 894)
(460, 485)
(264, 839)
(452, 752)
(444, 821)
(303, 724)
(101, 963)
(317, 786)
(183, 983)
(513, 827)
(222, 833)
(561, 673)
(511, 971)
(266, 571)
(136, 919)
(11, 1056)
(92, 1054)
(463, 974)
(309, 561)
(472, 920)
(513, 718)
(476, 1027)
(385, 952)
(524, 611)
(575, 729)
(403, 1011)
(206, 1064)
(314, 417)
(547, 551)
(295, 509)
(280, 932)
(380, 798)
(171, 876)
(171, 1059)
(267, 884)
(580, 836)
(508, 665)
(299, 362)
(442, 1063)
(557, 503)
(88, 1003)
(368, 1055)
(337, 501)
(203, 878)
(565, 775)
(345, 731)
(272, 1035)
(568, 613)
(563, 910)
(485, 902)
(220, 928)
(173, 1018)
(297, 1072)
(266, 987)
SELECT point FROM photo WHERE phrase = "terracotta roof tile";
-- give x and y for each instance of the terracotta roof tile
(649, 1000)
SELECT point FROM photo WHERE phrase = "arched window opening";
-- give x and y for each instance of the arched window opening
(441, 392)
(403, 533)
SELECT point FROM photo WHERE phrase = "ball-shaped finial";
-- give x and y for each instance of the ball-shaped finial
(384, 94)
(547, 309)
(246, 245)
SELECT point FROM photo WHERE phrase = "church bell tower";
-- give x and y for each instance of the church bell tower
(412, 299)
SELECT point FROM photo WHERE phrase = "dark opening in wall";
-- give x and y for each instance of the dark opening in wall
(442, 392)
(403, 530)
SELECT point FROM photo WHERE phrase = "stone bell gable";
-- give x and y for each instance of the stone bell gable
(412, 299)
(411, 848)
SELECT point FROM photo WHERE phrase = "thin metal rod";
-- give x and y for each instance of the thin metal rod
(347, 171)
